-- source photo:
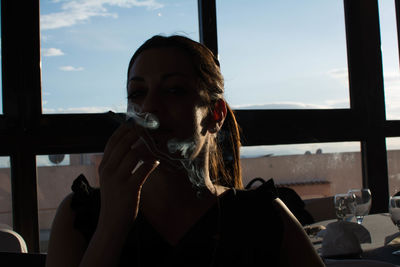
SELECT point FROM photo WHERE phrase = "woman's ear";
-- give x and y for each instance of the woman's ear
(218, 115)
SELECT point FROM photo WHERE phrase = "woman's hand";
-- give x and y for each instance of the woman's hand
(126, 165)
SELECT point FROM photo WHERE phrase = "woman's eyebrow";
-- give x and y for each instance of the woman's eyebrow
(136, 79)
(163, 77)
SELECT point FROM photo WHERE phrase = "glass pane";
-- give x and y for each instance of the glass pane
(86, 46)
(312, 170)
(5, 193)
(285, 54)
(1, 71)
(56, 174)
(393, 158)
(390, 58)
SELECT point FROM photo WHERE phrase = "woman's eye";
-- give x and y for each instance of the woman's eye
(134, 94)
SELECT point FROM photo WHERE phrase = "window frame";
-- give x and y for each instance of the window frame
(27, 132)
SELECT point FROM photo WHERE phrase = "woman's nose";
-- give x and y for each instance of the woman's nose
(151, 102)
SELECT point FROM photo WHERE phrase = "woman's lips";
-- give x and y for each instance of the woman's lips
(158, 136)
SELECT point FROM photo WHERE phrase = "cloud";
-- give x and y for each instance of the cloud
(281, 105)
(81, 110)
(120, 108)
(77, 110)
(341, 75)
(52, 52)
(391, 77)
(298, 149)
(338, 103)
(80, 11)
(338, 73)
(70, 68)
(392, 95)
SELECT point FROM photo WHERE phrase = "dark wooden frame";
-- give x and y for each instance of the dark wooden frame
(25, 132)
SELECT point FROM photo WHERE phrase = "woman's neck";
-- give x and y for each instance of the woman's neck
(171, 204)
(169, 187)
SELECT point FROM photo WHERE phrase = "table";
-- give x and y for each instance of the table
(380, 226)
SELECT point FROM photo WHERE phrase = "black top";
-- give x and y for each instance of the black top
(250, 231)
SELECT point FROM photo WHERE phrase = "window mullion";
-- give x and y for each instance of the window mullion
(22, 109)
(208, 24)
(367, 94)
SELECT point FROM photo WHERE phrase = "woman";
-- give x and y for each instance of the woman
(170, 182)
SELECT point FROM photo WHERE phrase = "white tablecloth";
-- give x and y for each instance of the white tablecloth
(380, 226)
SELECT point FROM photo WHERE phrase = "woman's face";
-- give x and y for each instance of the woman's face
(163, 82)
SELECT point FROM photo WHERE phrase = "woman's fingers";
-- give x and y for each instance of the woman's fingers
(117, 155)
(121, 184)
(116, 138)
(118, 147)
(137, 155)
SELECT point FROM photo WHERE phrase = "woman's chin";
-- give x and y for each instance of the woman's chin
(172, 166)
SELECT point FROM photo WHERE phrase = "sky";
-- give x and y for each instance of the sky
(273, 54)
(86, 46)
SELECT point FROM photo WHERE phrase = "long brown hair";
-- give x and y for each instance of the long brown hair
(224, 157)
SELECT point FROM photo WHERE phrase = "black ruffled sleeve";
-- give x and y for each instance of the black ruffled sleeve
(268, 190)
(86, 204)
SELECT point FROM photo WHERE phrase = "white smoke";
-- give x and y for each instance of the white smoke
(184, 148)
(144, 119)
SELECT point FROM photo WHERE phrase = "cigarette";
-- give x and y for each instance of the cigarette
(140, 163)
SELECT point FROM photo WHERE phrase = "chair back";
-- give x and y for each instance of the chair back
(11, 241)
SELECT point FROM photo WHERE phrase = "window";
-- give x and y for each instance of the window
(283, 54)
(56, 174)
(1, 77)
(390, 58)
(26, 132)
(5, 192)
(313, 170)
(393, 155)
(86, 47)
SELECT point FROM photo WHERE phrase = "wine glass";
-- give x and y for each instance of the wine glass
(394, 210)
(363, 200)
(345, 205)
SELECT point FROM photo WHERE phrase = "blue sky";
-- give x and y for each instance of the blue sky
(291, 53)
(274, 54)
(87, 46)
(91, 42)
